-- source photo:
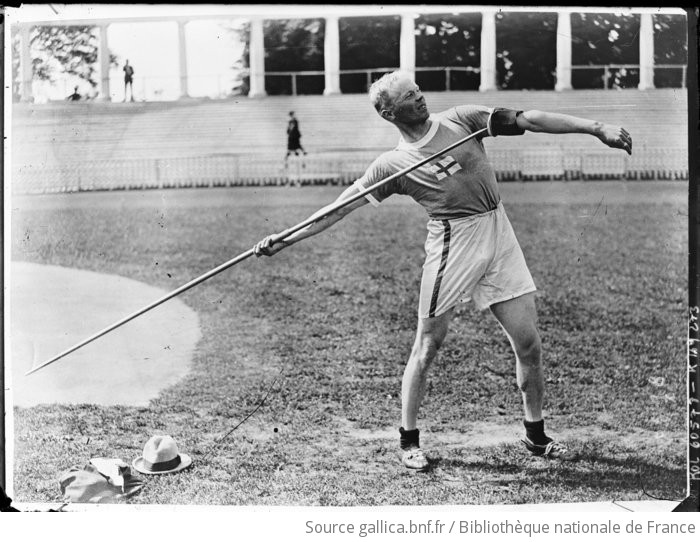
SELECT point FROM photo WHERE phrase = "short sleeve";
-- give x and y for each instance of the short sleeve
(475, 117)
(376, 172)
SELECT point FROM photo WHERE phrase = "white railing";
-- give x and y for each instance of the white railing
(610, 69)
(339, 168)
(370, 72)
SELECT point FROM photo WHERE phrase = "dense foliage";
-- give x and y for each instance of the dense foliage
(56, 50)
(67, 49)
(670, 47)
(367, 42)
(294, 45)
(71, 49)
(448, 40)
(526, 46)
(241, 65)
(605, 38)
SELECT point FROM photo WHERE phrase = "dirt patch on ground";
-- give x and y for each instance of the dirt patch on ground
(53, 308)
(485, 434)
(482, 435)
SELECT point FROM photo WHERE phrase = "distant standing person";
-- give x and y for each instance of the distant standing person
(128, 79)
(293, 137)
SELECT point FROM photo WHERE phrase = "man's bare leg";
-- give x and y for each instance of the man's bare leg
(518, 317)
(430, 335)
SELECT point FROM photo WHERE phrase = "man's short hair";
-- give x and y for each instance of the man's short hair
(379, 91)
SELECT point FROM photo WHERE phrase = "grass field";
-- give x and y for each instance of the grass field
(327, 327)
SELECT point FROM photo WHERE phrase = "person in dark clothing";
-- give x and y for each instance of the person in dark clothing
(128, 79)
(293, 137)
(75, 96)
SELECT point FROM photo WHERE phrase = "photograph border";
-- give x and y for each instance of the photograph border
(692, 501)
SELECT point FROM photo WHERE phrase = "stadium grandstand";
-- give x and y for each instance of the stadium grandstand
(239, 139)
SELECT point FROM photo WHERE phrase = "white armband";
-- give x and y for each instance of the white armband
(374, 201)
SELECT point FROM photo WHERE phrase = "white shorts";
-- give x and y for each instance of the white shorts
(477, 257)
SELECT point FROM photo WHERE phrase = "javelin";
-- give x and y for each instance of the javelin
(574, 107)
(248, 253)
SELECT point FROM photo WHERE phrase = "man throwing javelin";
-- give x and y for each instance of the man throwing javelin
(471, 249)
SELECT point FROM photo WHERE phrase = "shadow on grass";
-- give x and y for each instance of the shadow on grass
(608, 478)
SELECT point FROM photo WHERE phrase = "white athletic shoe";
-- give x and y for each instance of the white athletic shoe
(551, 450)
(415, 459)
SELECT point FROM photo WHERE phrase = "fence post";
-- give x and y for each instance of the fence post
(156, 164)
(237, 173)
(447, 79)
(294, 84)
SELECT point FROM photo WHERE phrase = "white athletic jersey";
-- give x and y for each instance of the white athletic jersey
(457, 184)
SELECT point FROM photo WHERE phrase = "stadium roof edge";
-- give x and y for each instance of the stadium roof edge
(90, 14)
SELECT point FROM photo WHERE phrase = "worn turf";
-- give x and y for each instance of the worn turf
(325, 327)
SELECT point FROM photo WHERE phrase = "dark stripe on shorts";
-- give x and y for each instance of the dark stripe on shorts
(441, 270)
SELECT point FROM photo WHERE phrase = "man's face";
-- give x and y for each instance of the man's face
(408, 103)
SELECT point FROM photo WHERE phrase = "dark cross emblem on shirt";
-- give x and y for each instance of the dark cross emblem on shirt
(445, 167)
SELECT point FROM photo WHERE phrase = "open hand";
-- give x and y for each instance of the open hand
(269, 246)
(615, 137)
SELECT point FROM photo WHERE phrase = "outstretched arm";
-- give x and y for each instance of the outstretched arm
(268, 246)
(556, 123)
